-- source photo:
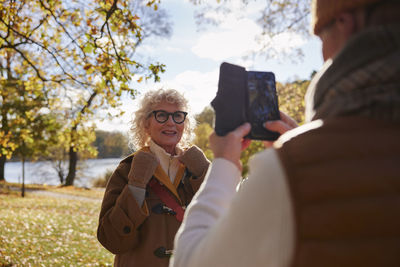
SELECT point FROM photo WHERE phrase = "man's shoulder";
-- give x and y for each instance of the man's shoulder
(299, 131)
(338, 127)
(338, 138)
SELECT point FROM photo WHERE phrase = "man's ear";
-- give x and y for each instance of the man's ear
(348, 24)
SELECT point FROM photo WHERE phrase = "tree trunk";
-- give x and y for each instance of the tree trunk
(60, 171)
(2, 167)
(73, 155)
(73, 160)
(23, 177)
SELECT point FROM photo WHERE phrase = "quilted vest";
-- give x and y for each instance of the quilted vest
(344, 180)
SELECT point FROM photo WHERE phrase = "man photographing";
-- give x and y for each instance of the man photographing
(328, 192)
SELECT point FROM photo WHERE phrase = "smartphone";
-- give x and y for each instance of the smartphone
(245, 96)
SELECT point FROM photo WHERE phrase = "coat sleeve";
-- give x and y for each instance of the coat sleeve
(120, 215)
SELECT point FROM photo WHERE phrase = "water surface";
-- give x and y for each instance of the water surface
(43, 172)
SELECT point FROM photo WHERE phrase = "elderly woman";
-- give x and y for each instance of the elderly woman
(146, 196)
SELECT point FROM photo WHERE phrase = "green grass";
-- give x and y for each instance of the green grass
(46, 231)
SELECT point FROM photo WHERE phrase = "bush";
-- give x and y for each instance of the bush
(102, 180)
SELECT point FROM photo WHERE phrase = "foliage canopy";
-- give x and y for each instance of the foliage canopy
(80, 55)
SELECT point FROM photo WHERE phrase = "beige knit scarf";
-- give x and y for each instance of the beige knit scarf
(364, 79)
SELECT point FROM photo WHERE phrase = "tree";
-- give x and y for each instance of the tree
(25, 122)
(36, 136)
(206, 116)
(291, 98)
(58, 159)
(202, 132)
(111, 144)
(205, 124)
(83, 52)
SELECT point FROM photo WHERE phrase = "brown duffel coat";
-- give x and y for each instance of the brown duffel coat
(142, 236)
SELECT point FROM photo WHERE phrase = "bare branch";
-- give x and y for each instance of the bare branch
(109, 13)
(119, 59)
(38, 26)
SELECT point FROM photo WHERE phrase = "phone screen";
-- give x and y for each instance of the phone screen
(262, 103)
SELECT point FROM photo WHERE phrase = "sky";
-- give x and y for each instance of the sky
(193, 54)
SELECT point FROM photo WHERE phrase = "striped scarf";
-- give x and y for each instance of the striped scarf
(363, 80)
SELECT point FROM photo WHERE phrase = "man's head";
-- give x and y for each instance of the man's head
(335, 21)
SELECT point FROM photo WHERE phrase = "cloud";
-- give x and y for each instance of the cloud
(284, 42)
(174, 49)
(236, 38)
(198, 87)
(241, 38)
(146, 49)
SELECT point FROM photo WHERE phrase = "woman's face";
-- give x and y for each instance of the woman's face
(168, 134)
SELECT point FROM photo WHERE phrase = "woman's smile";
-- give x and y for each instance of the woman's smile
(169, 132)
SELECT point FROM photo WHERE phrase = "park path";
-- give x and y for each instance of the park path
(57, 194)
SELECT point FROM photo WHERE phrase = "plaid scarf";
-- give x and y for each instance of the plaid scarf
(363, 80)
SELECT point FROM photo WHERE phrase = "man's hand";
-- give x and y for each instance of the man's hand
(195, 160)
(231, 145)
(281, 126)
(142, 169)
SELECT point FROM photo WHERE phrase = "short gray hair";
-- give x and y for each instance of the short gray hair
(139, 137)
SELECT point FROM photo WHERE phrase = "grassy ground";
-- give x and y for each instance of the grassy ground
(48, 231)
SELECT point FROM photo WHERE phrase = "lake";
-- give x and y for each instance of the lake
(42, 172)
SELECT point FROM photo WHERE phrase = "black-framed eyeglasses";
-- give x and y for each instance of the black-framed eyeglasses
(162, 116)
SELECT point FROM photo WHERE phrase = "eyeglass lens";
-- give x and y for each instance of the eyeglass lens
(162, 116)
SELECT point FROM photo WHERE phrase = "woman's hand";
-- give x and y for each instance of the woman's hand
(231, 145)
(142, 169)
(281, 126)
(195, 160)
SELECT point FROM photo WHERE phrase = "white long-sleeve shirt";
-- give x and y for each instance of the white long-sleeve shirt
(252, 227)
